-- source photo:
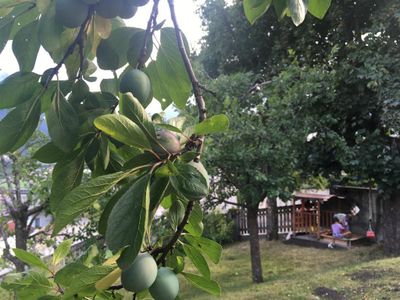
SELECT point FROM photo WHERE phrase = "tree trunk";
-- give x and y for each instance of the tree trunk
(21, 240)
(272, 220)
(256, 267)
(391, 225)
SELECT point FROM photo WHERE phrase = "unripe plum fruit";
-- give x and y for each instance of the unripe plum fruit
(137, 83)
(109, 8)
(166, 286)
(169, 142)
(141, 274)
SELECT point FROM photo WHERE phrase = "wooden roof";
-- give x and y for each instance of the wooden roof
(312, 196)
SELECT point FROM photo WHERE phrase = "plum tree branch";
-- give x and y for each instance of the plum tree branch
(77, 42)
(179, 230)
(149, 31)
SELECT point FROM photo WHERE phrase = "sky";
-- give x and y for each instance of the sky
(189, 22)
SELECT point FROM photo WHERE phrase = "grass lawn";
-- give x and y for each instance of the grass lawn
(295, 272)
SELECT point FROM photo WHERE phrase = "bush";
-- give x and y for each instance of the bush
(219, 227)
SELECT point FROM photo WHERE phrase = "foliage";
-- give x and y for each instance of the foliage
(110, 133)
(219, 227)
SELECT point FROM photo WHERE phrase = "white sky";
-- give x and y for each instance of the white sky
(189, 22)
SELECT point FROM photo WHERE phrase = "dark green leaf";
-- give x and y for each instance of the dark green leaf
(214, 124)
(281, 8)
(176, 213)
(254, 9)
(145, 158)
(48, 154)
(160, 91)
(69, 273)
(189, 182)
(18, 88)
(19, 124)
(197, 259)
(169, 127)
(26, 46)
(127, 222)
(175, 84)
(62, 123)
(207, 285)
(158, 191)
(82, 197)
(66, 176)
(212, 249)
(107, 210)
(50, 30)
(112, 52)
(135, 48)
(5, 30)
(123, 130)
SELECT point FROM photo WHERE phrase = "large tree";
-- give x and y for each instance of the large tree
(256, 158)
(24, 195)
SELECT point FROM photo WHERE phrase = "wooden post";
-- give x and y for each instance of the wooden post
(294, 215)
(318, 219)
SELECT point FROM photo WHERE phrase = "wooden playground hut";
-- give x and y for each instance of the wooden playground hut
(313, 213)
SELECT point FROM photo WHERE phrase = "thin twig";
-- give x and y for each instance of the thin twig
(78, 40)
(149, 31)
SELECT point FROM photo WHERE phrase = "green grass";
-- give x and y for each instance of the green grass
(294, 272)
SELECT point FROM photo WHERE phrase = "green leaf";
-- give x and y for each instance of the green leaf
(102, 227)
(69, 273)
(169, 127)
(123, 130)
(133, 109)
(158, 191)
(112, 52)
(66, 176)
(109, 86)
(318, 8)
(62, 251)
(48, 154)
(18, 126)
(175, 85)
(49, 31)
(145, 158)
(176, 213)
(211, 248)
(189, 182)
(128, 221)
(160, 90)
(254, 9)
(18, 88)
(135, 48)
(5, 30)
(82, 197)
(197, 259)
(62, 123)
(195, 224)
(298, 11)
(26, 46)
(87, 280)
(207, 285)
(281, 8)
(214, 124)
(29, 259)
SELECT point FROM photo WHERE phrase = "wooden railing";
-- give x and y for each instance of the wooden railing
(304, 221)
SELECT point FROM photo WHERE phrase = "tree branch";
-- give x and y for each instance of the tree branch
(164, 250)
(78, 41)
(149, 32)
(201, 105)
(6, 252)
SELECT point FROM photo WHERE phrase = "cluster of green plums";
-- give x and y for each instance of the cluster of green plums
(143, 274)
(73, 13)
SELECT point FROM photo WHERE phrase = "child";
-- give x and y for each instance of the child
(338, 231)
